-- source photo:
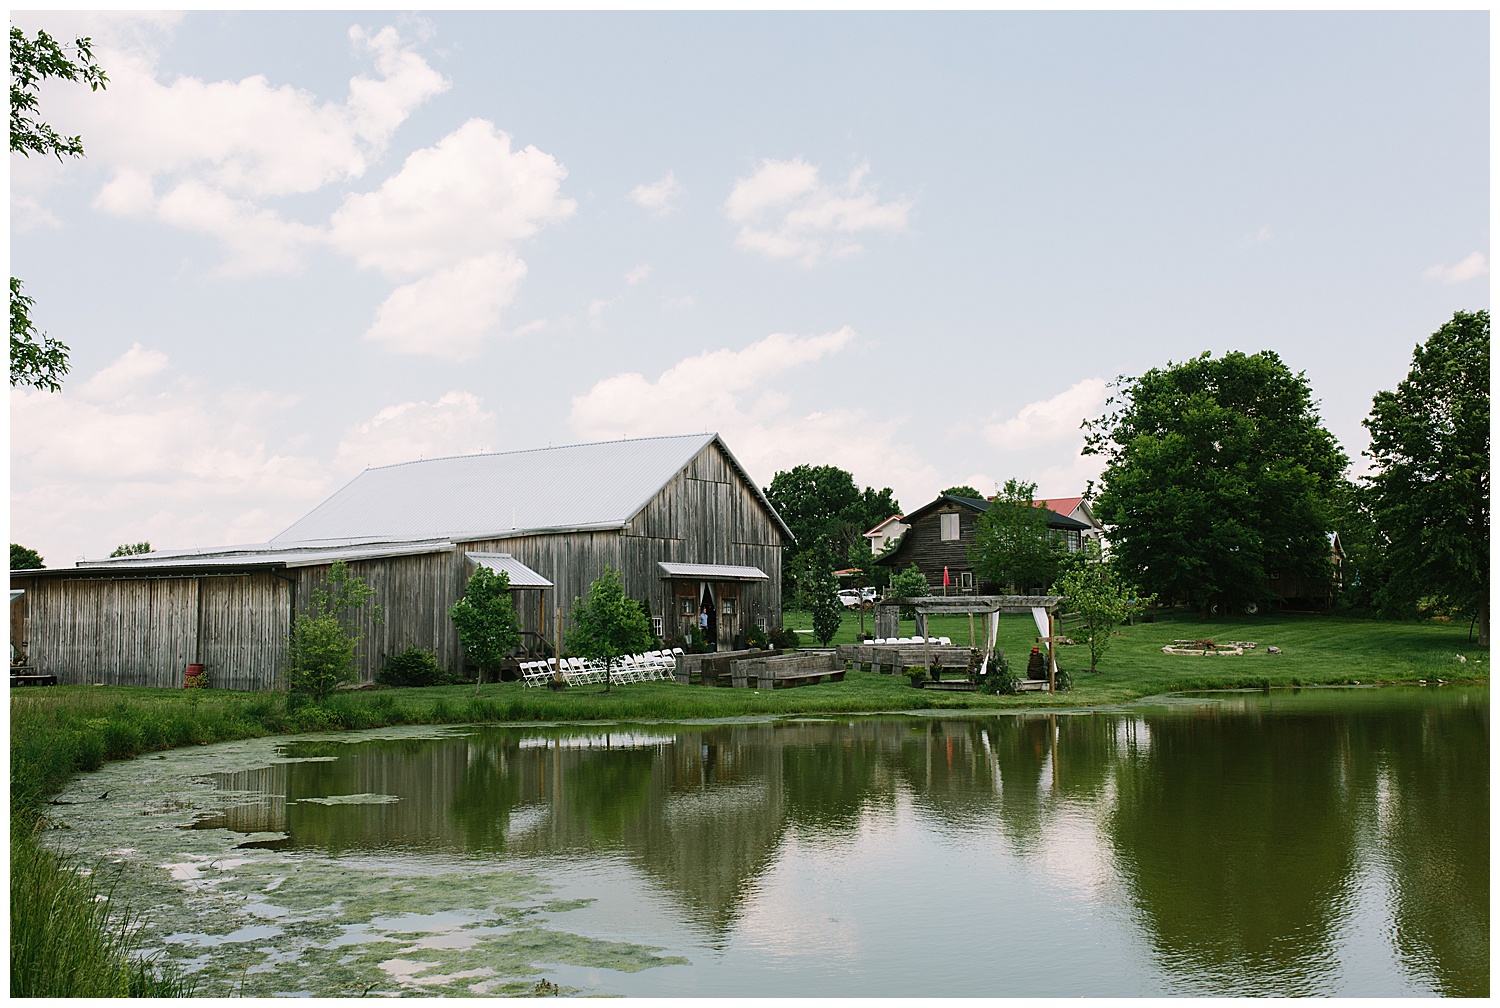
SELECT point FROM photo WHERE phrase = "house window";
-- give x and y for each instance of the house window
(949, 527)
(966, 580)
(656, 626)
(1075, 541)
(728, 607)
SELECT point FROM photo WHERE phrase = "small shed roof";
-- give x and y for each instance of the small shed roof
(520, 575)
(713, 572)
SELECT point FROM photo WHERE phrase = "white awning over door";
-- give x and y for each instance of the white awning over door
(712, 572)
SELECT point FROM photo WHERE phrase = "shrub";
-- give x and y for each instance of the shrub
(413, 667)
(756, 637)
(783, 639)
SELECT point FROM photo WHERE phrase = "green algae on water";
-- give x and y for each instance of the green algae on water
(242, 917)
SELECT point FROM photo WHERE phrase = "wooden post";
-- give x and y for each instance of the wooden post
(971, 629)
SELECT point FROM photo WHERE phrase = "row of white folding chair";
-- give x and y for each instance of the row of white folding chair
(913, 640)
(534, 673)
(581, 672)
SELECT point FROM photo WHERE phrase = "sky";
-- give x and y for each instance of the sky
(916, 246)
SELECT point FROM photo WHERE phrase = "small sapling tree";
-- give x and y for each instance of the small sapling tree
(607, 624)
(1100, 596)
(486, 621)
(320, 651)
(827, 610)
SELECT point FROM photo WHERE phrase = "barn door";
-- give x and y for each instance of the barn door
(729, 615)
(684, 607)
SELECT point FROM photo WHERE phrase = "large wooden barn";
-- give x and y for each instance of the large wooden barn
(678, 516)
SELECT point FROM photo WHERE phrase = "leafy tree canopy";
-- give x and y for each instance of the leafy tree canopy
(25, 558)
(823, 504)
(1012, 543)
(131, 549)
(1219, 474)
(1430, 448)
(910, 583)
(35, 358)
(486, 619)
(607, 624)
(964, 491)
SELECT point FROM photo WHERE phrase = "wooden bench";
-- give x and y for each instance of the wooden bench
(787, 670)
(25, 675)
(710, 668)
(892, 659)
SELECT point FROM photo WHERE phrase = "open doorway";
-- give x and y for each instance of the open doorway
(706, 610)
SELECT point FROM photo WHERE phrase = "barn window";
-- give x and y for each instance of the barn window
(728, 605)
(656, 626)
(685, 605)
(966, 579)
(949, 527)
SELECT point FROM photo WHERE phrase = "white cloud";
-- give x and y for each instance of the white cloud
(456, 424)
(785, 212)
(638, 274)
(466, 196)
(1475, 264)
(449, 312)
(1262, 234)
(1050, 420)
(211, 156)
(732, 392)
(250, 137)
(182, 462)
(658, 196)
(165, 458)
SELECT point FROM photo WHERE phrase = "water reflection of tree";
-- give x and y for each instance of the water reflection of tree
(1235, 836)
(1435, 834)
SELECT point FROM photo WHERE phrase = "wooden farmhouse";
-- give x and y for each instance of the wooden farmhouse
(939, 537)
(678, 516)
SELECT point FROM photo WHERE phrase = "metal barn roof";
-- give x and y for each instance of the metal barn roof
(601, 485)
(519, 574)
(262, 555)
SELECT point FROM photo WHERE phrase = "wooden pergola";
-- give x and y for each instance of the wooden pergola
(1041, 607)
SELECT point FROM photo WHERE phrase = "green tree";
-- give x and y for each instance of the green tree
(35, 358)
(823, 597)
(322, 645)
(25, 558)
(1430, 447)
(486, 620)
(607, 624)
(964, 491)
(1012, 543)
(910, 583)
(1093, 589)
(1219, 474)
(131, 549)
(824, 504)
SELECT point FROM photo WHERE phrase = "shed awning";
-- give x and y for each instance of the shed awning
(712, 572)
(520, 575)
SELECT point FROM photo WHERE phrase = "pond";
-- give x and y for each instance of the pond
(1289, 842)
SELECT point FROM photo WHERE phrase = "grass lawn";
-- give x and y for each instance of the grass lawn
(64, 943)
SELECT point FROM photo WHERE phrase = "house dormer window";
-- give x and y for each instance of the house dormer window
(948, 527)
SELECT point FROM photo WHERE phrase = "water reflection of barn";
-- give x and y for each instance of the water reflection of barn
(678, 516)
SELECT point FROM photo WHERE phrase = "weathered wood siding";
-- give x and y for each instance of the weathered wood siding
(409, 608)
(924, 546)
(242, 629)
(145, 631)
